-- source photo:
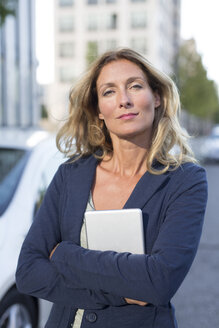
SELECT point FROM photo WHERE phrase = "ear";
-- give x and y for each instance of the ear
(156, 99)
(101, 116)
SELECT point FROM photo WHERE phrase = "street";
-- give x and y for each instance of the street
(197, 300)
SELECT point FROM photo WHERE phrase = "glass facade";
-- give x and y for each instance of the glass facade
(18, 89)
(1, 79)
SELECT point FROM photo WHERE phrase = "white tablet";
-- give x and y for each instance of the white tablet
(117, 230)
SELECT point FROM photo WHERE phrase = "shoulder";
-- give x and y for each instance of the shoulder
(188, 177)
(77, 162)
(77, 165)
(188, 170)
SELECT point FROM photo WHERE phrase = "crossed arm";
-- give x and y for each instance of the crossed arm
(128, 300)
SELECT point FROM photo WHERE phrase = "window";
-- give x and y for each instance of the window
(139, 45)
(66, 74)
(12, 164)
(66, 3)
(111, 1)
(138, 20)
(66, 24)
(66, 49)
(92, 23)
(92, 2)
(110, 44)
(111, 21)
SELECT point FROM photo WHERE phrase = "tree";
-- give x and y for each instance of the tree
(6, 8)
(92, 52)
(198, 94)
(44, 111)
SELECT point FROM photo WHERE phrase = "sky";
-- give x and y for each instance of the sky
(199, 20)
(44, 40)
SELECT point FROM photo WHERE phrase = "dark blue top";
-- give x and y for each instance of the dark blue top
(173, 206)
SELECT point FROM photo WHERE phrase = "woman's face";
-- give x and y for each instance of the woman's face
(126, 102)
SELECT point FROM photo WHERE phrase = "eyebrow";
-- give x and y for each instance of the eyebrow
(130, 80)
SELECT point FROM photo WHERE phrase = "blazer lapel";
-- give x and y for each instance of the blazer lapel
(80, 181)
(147, 186)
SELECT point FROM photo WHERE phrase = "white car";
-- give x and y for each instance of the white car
(210, 147)
(28, 161)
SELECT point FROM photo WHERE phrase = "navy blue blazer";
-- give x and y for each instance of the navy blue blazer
(173, 206)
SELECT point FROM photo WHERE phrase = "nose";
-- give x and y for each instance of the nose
(124, 100)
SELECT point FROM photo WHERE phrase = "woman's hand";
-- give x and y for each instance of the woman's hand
(130, 301)
(51, 254)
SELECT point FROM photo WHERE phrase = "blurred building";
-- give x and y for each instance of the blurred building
(18, 88)
(86, 28)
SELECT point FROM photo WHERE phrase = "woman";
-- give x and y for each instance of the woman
(123, 123)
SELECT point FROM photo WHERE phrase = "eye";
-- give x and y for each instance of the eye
(136, 86)
(107, 92)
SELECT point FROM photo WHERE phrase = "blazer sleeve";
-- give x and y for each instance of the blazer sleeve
(36, 275)
(154, 277)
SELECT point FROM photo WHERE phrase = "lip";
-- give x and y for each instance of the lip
(127, 116)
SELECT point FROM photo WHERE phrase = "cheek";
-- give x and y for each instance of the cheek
(148, 102)
(105, 109)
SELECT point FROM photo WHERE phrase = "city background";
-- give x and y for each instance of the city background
(46, 45)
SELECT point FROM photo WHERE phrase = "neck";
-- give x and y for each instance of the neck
(129, 157)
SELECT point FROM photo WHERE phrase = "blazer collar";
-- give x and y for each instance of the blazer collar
(81, 181)
(146, 187)
(80, 178)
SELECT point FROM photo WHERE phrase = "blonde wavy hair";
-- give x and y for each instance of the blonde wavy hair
(84, 133)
